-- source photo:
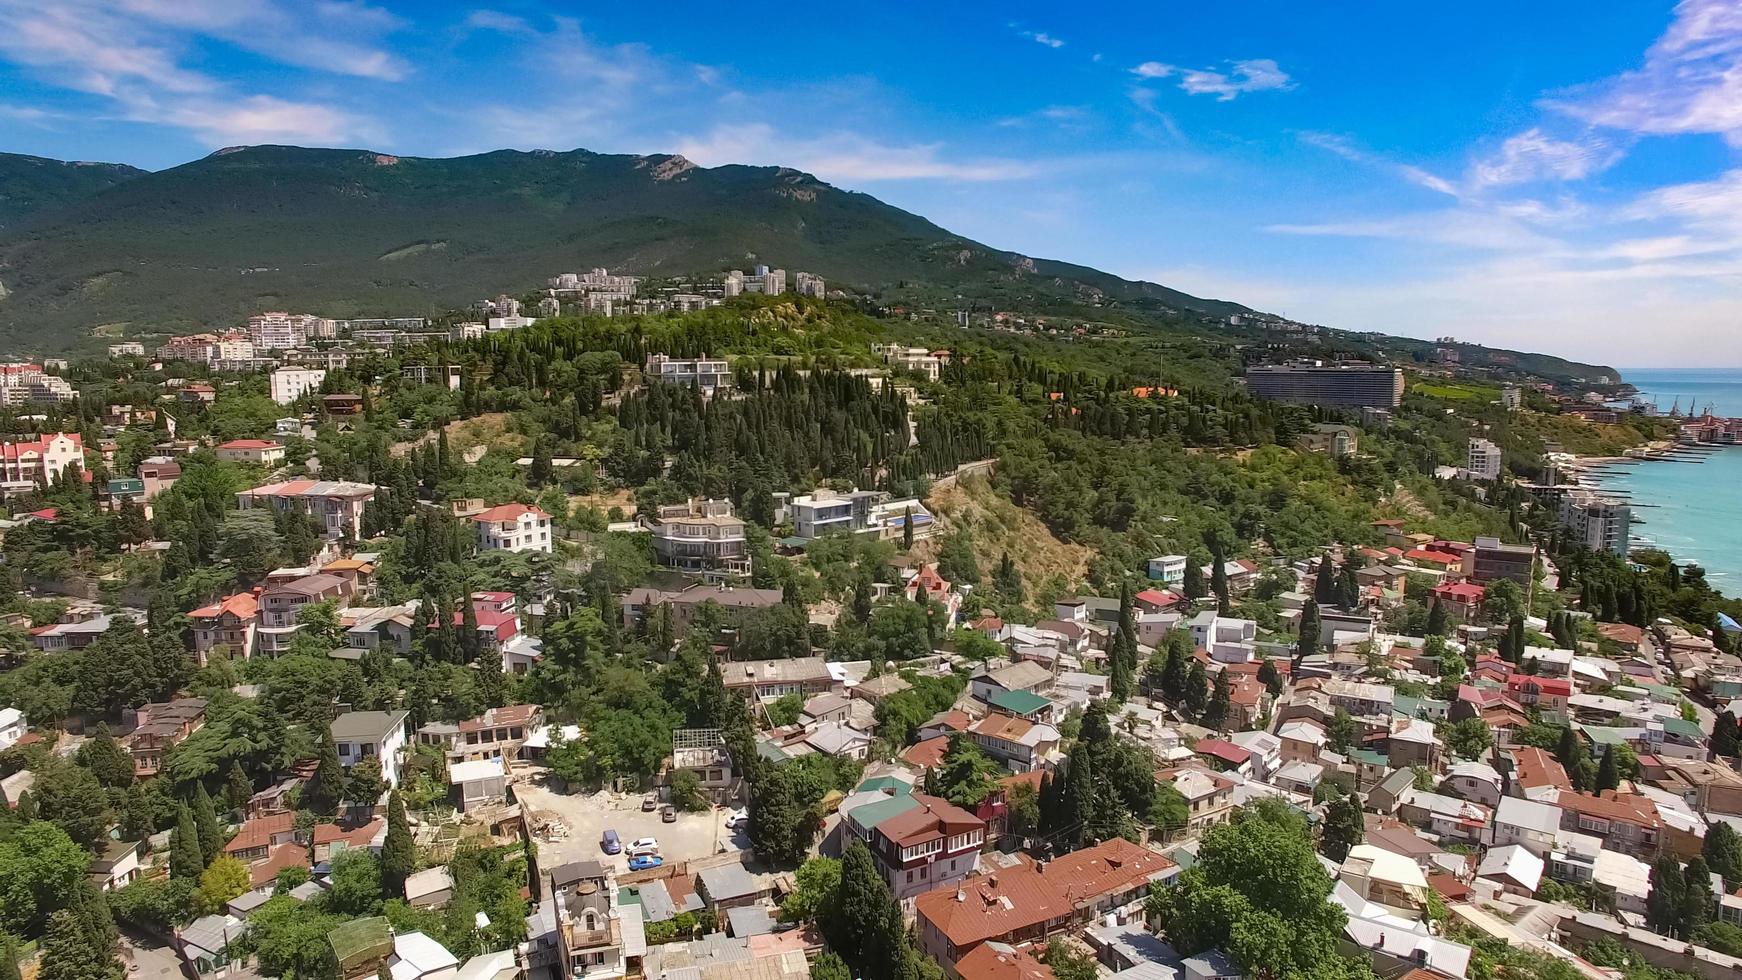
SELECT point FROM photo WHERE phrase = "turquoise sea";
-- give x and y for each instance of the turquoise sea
(1693, 509)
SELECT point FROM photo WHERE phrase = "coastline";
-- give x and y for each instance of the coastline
(1666, 516)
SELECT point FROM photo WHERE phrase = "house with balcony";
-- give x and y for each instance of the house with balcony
(593, 931)
(1548, 695)
(256, 451)
(701, 538)
(513, 527)
(159, 727)
(227, 625)
(769, 679)
(1209, 796)
(498, 733)
(1625, 822)
(378, 735)
(868, 512)
(709, 374)
(1019, 744)
(281, 607)
(931, 844)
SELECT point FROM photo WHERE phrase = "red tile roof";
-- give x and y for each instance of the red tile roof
(1226, 751)
(1437, 557)
(283, 856)
(507, 512)
(259, 831)
(928, 754)
(934, 819)
(1534, 767)
(996, 961)
(1551, 686)
(1610, 805)
(242, 605)
(249, 444)
(1464, 592)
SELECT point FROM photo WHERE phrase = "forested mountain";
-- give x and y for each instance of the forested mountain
(30, 184)
(354, 233)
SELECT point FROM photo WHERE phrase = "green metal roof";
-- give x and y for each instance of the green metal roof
(361, 940)
(1370, 757)
(1603, 734)
(1021, 703)
(1684, 728)
(882, 784)
(870, 815)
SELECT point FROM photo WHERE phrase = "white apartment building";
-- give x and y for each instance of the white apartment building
(810, 285)
(710, 374)
(1511, 398)
(129, 349)
(916, 359)
(291, 383)
(12, 727)
(1169, 570)
(282, 331)
(497, 324)
(513, 527)
(1600, 523)
(26, 463)
(336, 504)
(702, 537)
(1484, 460)
(869, 512)
(379, 735)
(22, 384)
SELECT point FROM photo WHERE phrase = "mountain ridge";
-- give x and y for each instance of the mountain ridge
(354, 232)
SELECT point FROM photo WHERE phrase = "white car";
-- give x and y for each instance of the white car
(739, 818)
(644, 845)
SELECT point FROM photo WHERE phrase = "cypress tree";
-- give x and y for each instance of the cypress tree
(1696, 907)
(398, 852)
(1309, 631)
(1436, 619)
(1663, 903)
(206, 825)
(186, 860)
(328, 786)
(238, 787)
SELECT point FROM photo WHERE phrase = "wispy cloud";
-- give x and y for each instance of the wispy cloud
(133, 53)
(1533, 156)
(1038, 37)
(1346, 148)
(1690, 81)
(1242, 77)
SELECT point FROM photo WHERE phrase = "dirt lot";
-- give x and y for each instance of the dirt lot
(694, 838)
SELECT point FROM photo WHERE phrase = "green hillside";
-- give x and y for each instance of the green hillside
(354, 233)
(30, 184)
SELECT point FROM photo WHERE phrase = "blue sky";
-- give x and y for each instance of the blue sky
(1551, 175)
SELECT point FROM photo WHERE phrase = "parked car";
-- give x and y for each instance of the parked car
(643, 845)
(642, 862)
(610, 843)
(649, 803)
(668, 814)
(739, 818)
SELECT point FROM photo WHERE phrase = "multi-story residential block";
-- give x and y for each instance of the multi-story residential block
(710, 374)
(1483, 460)
(701, 537)
(1489, 561)
(497, 734)
(1460, 601)
(768, 679)
(290, 383)
(932, 844)
(227, 625)
(733, 603)
(810, 285)
(498, 621)
(336, 505)
(27, 464)
(257, 451)
(194, 347)
(379, 735)
(281, 608)
(1228, 640)
(1332, 439)
(513, 527)
(432, 374)
(1348, 385)
(131, 348)
(23, 384)
(283, 331)
(1511, 398)
(1599, 523)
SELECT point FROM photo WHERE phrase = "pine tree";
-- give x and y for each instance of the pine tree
(398, 852)
(186, 860)
(1725, 738)
(206, 825)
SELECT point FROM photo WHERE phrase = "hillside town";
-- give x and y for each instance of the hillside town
(685, 633)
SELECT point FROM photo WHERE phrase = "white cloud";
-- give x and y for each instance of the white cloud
(1346, 148)
(260, 119)
(1038, 37)
(1690, 81)
(1251, 75)
(843, 157)
(1533, 156)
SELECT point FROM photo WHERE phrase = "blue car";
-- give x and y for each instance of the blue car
(610, 844)
(645, 861)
